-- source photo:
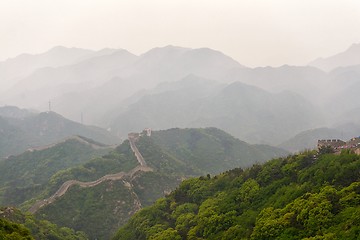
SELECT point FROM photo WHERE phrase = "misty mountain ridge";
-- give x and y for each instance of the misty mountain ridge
(15, 112)
(35, 130)
(112, 81)
(151, 68)
(14, 69)
(248, 112)
(347, 58)
(52, 82)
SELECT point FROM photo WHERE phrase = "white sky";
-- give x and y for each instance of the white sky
(254, 32)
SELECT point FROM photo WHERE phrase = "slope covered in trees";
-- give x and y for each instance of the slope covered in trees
(173, 155)
(208, 150)
(15, 225)
(25, 176)
(305, 196)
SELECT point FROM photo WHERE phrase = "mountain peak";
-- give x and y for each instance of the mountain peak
(169, 49)
(347, 58)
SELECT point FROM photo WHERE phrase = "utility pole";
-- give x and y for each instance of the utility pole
(82, 118)
(49, 106)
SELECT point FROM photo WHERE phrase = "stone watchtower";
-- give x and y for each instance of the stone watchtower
(334, 143)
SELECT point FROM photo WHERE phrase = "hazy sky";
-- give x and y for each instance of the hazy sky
(254, 32)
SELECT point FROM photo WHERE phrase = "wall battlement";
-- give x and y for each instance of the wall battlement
(338, 145)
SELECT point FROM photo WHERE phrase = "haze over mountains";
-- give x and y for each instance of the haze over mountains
(182, 87)
(350, 57)
(21, 130)
(63, 109)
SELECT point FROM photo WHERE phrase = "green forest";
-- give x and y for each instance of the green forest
(15, 225)
(306, 196)
(99, 211)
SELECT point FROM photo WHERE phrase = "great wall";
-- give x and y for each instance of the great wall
(133, 137)
(338, 145)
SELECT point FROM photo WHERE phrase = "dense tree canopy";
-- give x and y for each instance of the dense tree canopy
(305, 196)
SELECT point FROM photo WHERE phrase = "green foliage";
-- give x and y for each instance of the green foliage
(305, 196)
(24, 176)
(326, 149)
(13, 231)
(16, 225)
(211, 150)
(98, 211)
(121, 159)
(173, 154)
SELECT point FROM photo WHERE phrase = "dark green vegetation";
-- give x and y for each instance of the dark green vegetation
(100, 210)
(26, 176)
(305, 196)
(38, 174)
(15, 225)
(18, 134)
(10, 230)
(173, 154)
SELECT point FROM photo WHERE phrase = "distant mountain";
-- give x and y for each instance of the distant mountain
(172, 63)
(108, 86)
(15, 112)
(14, 69)
(308, 139)
(306, 81)
(349, 57)
(17, 135)
(344, 85)
(49, 83)
(248, 112)
(76, 87)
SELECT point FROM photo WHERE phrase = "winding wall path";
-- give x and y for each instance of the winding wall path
(116, 176)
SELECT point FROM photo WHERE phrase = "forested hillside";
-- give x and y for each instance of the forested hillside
(26, 176)
(208, 150)
(305, 196)
(15, 225)
(173, 155)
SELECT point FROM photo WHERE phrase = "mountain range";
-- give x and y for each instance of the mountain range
(123, 92)
(84, 181)
(248, 112)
